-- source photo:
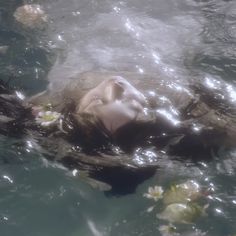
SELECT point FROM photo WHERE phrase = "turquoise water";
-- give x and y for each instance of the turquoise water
(182, 39)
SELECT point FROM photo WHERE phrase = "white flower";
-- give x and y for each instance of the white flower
(30, 15)
(47, 118)
(154, 193)
(183, 213)
(182, 193)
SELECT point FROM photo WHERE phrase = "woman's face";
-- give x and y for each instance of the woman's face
(115, 102)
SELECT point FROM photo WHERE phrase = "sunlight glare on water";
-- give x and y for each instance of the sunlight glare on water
(123, 36)
(175, 38)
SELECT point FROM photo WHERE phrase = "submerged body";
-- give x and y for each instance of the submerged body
(106, 118)
(132, 100)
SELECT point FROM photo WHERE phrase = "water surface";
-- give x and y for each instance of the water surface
(180, 38)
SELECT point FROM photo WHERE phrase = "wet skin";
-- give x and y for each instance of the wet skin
(118, 104)
(115, 102)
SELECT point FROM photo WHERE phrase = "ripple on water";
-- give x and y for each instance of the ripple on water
(38, 199)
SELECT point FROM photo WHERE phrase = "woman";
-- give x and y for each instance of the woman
(100, 121)
(164, 114)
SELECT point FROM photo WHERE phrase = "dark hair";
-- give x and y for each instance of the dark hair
(13, 113)
(84, 129)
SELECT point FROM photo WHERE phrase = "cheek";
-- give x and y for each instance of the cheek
(91, 106)
(135, 95)
(88, 100)
(134, 106)
(115, 115)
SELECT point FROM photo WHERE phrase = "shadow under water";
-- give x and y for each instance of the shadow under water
(191, 42)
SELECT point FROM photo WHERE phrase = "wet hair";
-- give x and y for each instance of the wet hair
(89, 133)
(84, 129)
(13, 113)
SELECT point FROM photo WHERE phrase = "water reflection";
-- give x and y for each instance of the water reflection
(94, 229)
(7, 178)
(155, 36)
(169, 116)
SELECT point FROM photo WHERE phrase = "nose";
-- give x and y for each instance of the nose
(114, 91)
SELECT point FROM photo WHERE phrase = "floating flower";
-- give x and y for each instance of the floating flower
(30, 15)
(182, 213)
(182, 193)
(154, 193)
(47, 118)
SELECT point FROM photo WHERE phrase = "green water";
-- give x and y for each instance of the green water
(42, 199)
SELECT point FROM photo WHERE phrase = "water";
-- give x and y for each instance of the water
(180, 38)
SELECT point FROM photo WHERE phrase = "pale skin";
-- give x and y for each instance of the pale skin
(115, 102)
(132, 119)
